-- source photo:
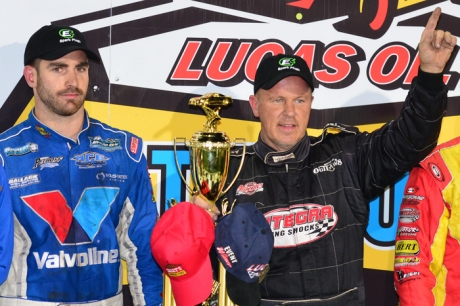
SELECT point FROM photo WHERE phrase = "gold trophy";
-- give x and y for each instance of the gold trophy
(209, 161)
(210, 151)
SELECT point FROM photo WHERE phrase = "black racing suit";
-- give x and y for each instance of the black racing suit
(316, 196)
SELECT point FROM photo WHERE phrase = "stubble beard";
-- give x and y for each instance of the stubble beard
(284, 146)
(51, 101)
(278, 144)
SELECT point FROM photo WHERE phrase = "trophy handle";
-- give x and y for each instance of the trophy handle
(192, 191)
(243, 141)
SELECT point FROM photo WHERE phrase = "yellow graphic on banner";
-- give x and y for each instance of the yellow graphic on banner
(401, 3)
(406, 3)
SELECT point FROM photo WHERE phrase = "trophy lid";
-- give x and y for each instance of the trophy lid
(211, 99)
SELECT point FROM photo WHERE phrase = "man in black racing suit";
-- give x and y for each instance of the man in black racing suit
(314, 191)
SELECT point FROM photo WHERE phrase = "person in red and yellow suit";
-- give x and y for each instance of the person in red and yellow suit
(427, 251)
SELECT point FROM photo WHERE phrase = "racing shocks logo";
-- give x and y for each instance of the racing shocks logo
(301, 224)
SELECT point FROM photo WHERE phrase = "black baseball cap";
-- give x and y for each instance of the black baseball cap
(275, 68)
(51, 42)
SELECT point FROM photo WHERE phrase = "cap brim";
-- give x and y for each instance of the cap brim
(195, 289)
(279, 77)
(63, 51)
(242, 293)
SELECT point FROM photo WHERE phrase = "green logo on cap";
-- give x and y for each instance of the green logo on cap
(66, 33)
(287, 62)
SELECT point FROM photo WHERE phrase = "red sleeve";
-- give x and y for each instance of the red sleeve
(422, 228)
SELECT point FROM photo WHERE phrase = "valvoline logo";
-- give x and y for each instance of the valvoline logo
(301, 224)
(73, 227)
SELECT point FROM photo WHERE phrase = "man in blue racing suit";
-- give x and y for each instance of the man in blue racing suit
(6, 226)
(82, 196)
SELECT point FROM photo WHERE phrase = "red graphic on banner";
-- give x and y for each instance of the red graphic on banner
(306, 4)
(382, 12)
(182, 70)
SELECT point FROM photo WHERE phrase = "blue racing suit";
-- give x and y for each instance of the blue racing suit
(80, 207)
(6, 226)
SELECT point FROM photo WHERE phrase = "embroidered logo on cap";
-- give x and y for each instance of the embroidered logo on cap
(287, 61)
(175, 270)
(66, 33)
(256, 270)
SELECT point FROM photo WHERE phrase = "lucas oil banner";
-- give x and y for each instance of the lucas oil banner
(157, 54)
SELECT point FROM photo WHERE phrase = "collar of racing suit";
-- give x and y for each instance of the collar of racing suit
(51, 134)
(278, 158)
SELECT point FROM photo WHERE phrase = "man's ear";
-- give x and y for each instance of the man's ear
(254, 105)
(30, 75)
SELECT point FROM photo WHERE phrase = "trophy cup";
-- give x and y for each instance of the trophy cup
(210, 151)
(209, 161)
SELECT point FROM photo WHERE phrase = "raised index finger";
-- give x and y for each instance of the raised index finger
(433, 21)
